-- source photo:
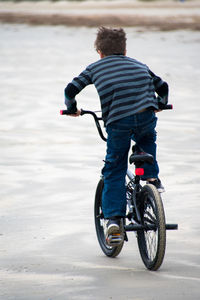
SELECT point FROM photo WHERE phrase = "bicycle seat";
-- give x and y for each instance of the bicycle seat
(141, 157)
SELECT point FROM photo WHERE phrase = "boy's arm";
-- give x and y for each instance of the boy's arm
(70, 92)
(161, 88)
(73, 88)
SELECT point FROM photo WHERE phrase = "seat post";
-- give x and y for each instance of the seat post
(137, 179)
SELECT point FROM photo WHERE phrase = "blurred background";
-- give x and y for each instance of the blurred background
(50, 164)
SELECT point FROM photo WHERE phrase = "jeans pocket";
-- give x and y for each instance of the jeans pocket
(118, 137)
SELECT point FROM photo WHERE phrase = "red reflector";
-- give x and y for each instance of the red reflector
(61, 112)
(139, 171)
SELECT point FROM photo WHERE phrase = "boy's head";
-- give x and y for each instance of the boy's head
(110, 41)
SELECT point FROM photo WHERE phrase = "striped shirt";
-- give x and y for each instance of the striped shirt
(125, 86)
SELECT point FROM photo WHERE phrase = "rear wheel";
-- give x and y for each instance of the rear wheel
(152, 240)
(100, 223)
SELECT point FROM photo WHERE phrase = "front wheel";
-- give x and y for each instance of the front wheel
(100, 223)
(152, 240)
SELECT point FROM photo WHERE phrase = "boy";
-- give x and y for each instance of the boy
(126, 88)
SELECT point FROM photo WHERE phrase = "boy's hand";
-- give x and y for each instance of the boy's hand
(77, 114)
(72, 109)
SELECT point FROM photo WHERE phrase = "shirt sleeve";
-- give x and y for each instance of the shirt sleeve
(161, 87)
(76, 86)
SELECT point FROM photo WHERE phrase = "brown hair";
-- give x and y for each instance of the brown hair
(110, 41)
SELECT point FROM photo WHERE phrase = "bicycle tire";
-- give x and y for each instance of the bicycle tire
(152, 242)
(110, 251)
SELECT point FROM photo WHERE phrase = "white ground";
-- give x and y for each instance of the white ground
(50, 165)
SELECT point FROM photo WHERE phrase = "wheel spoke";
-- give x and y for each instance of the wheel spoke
(152, 240)
(150, 235)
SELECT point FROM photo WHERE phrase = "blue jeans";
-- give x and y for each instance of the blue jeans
(139, 127)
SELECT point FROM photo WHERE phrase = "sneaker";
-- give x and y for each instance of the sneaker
(158, 184)
(114, 232)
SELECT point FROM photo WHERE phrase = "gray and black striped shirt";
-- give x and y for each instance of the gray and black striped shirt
(125, 86)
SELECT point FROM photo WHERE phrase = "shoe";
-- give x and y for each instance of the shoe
(114, 232)
(158, 184)
(113, 226)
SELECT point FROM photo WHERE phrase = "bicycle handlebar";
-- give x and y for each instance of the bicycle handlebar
(83, 112)
(97, 119)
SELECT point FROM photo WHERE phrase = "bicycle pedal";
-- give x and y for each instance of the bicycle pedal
(114, 239)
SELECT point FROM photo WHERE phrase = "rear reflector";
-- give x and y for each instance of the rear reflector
(139, 171)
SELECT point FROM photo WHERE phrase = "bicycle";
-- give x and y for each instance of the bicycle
(145, 212)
